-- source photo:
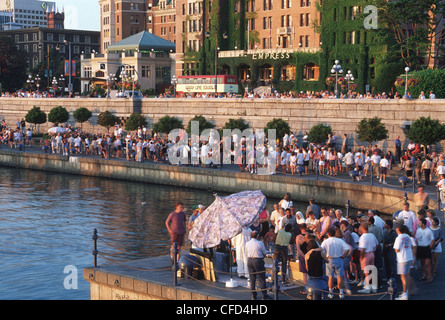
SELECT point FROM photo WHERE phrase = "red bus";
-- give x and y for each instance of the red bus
(197, 84)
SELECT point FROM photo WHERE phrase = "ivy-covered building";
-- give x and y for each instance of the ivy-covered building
(289, 44)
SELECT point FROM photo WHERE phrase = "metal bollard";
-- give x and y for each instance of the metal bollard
(392, 288)
(175, 264)
(95, 252)
(347, 206)
(276, 286)
(438, 199)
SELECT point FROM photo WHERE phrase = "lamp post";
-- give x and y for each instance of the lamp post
(62, 82)
(123, 76)
(70, 67)
(225, 36)
(336, 68)
(406, 82)
(30, 82)
(349, 77)
(174, 81)
(37, 80)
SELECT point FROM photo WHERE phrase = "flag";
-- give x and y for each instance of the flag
(73, 68)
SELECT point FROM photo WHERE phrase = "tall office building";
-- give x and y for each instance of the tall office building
(27, 13)
(121, 19)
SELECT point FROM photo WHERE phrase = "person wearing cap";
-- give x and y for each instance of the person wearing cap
(256, 253)
(359, 163)
(195, 214)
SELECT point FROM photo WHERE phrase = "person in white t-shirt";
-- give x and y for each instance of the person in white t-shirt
(408, 216)
(367, 245)
(441, 185)
(424, 238)
(403, 246)
(275, 216)
(384, 164)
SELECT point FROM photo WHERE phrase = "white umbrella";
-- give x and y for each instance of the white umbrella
(57, 130)
(226, 217)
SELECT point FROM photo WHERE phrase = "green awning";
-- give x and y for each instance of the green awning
(142, 41)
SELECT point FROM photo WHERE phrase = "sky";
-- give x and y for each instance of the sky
(81, 14)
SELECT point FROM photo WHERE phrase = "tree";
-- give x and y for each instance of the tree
(35, 116)
(107, 119)
(135, 121)
(203, 124)
(426, 131)
(240, 124)
(319, 133)
(412, 26)
(58, 115)
(82, 115)
(13, 65)
(370, 130)
(281, 127)
(167, 124)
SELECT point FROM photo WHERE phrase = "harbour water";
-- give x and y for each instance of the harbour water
(47, 221)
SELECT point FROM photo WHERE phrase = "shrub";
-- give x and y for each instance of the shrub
(58, 115)
(281, 127)
(319, 133)
(107, 119)
(35, 116)
(135, 121)
(82, 115)
(370, 130)
(167, 124)
(203, 124)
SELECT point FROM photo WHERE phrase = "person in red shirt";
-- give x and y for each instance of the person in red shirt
(175, 224)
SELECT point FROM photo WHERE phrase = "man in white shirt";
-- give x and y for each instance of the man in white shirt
(403, 247)
(275, 216)
(378, 222)
(204, 153)
(349, 161)
(424, 238)
(256, 252)
(375, 158)
(384, 164)
(408, 216)
(367, 246)
(335, 250)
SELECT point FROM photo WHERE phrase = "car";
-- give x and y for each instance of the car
(129, 94)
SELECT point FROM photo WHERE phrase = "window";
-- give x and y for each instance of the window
(310, 72)
(145, 71)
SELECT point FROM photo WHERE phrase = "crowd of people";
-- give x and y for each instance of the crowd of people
(335, 252)
(293, 154)
(274, 94)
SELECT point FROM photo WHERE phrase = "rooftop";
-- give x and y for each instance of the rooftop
(142, 41)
